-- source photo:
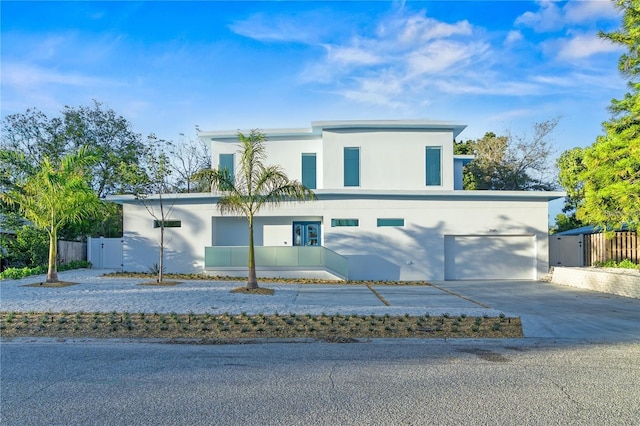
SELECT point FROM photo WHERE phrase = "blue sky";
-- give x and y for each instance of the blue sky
(169, 66)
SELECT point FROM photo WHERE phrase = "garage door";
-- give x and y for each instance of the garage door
(495, 257)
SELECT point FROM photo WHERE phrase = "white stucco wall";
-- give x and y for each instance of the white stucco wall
(285, 152)
(415, 251)
(183, 246)
(389, 159)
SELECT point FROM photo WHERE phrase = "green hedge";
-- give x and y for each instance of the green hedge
(17, 273)
(625, 264)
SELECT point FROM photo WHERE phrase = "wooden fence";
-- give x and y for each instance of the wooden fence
(71, 250)
(623, 245)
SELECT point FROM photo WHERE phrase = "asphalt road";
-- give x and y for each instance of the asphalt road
(383, 382)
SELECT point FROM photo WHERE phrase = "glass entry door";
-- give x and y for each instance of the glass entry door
(306, 233)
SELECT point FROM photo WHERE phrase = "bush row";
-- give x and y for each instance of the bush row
(17, 273)
(625, 264)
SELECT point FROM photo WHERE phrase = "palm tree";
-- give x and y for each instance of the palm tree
(55, 196)
(254, 185)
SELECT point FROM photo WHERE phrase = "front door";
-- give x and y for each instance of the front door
(306, 233)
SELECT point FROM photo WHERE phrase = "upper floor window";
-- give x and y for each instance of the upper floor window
(351, 166)
(309, 170)
(390, 222)
(434, 165)
(226, 162)
(344, 222)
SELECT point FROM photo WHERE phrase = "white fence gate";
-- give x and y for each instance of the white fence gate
(565, 250)
(105, 253)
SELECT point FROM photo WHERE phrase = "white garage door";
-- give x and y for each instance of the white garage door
(482, 257)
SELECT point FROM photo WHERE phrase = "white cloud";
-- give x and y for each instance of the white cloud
(584, 46)
(276, 29)
(351, 55)
(582, 11)
(513, 37)
(550, 17)
(22, 75)
(442, 55)
(420, 28)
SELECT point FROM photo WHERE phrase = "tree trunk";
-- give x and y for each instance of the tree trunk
(52, 273)
(252, 281)
(161, 260)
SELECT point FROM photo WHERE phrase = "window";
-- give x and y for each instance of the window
(351, 166)
(306, 233)
(226, 162)
(433, 166)
(167, 223)
(344, 222)
(390, 222)
(309, 170)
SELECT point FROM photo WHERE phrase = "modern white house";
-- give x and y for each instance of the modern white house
(390, 206)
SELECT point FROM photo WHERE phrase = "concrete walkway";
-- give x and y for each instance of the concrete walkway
(547, 310)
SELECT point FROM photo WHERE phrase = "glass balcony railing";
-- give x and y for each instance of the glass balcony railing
(280, 257)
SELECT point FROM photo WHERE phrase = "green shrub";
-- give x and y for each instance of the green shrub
(18, 273)
(624, 264)
(29, 248)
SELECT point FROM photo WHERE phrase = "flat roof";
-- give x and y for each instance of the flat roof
(327, 194)
(318, 126)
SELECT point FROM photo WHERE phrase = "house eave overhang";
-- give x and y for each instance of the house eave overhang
(317, 127)
(355, 194)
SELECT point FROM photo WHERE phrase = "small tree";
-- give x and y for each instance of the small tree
(56, 196)
(153, 178)
(511, 162)
(254, 186)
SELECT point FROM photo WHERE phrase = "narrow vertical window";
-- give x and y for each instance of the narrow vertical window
(309, 170)
(433, 166)
(351, 166)
(226, 162)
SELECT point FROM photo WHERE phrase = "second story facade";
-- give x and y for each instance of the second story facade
(409, 155)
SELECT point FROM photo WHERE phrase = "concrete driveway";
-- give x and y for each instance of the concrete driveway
(554, 311)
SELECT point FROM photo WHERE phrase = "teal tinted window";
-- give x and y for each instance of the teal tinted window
(390, 222)
(309, 170)
(433, 163)
(344, 222)
(226, 162)
(352, 166)
(167, 224)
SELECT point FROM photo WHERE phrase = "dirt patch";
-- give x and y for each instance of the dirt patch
(332, 328)
(259, 290)
(205, 277)
(56, 284)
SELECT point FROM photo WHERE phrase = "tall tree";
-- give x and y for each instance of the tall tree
(56, 195)
(112, 139)
(570, 166)
(607, 185)
(152, 184)
(254, 186)
(188, 158)
(30, 137)
(511, 162)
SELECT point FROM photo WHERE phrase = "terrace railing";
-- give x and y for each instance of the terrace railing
(299, 258)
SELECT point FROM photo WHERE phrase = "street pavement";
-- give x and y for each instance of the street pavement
(380, 382)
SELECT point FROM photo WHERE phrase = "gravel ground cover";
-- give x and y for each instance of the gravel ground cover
(117, 306)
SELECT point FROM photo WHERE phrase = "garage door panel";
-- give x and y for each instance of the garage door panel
(489, 257)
